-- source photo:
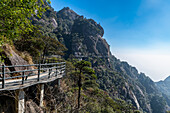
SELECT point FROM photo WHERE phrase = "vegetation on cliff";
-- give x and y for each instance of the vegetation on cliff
(93, 99)
(118, 87)
(164, 87)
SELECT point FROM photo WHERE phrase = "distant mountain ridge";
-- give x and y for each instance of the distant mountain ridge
(164, 87)
(83, 37)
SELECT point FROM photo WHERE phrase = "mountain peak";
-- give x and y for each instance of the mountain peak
(67, 13)
(66, 8)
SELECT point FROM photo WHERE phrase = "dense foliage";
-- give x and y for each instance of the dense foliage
(37, 44)
(16, 27)
(93, 99)
(15, 14)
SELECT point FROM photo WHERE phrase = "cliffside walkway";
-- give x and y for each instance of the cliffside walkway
(30, 75)
(81, 56)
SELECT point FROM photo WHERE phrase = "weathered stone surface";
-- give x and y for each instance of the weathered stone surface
(54, 23)
(12, 58)
(6, 70)
(32, 107)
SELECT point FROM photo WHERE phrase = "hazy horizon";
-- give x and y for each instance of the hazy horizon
(137, 31)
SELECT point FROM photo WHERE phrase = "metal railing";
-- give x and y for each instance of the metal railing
(30, 73)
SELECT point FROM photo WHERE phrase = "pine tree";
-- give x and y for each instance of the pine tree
(84, 72)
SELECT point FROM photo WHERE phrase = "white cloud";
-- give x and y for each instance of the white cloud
(153, 61)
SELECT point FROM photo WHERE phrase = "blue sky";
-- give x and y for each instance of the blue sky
(138, 31)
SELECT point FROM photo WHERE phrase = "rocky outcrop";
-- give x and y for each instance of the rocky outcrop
(133, 97)
(32, 107)
(54, 23)
(12, 58)
(128, 93)
(65, 24)
(68, 14)
(91, 33)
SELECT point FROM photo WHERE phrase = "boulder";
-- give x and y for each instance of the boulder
(6, 70)
(32, 107)
(12, 58)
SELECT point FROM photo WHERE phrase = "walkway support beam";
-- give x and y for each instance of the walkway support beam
(58, 82)
(20, 101)
(41, 95)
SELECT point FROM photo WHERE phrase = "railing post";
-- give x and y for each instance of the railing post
(56, 70)
(23, 75)
(49, 73)
(39, 69)
(64, 69)
(60, 69)
(3, 76)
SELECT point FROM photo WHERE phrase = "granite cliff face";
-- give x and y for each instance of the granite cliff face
(80, 35)
(83, 37)
(124, 81)
(11, 57)
(81, 30)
